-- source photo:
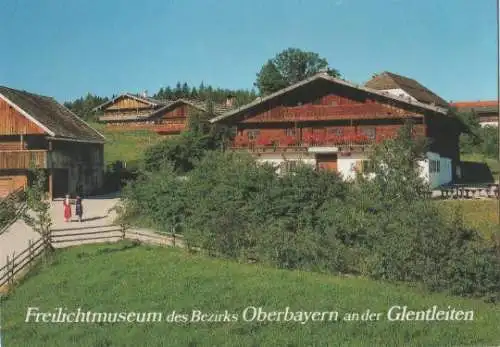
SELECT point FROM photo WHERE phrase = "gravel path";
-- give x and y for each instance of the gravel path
(96, 217)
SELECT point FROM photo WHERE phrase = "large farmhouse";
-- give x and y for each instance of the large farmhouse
(486, 112)
(37, 131)
(331, 123)
(165, 117)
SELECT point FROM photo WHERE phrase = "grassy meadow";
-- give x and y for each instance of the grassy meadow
(129, 278)
(126, 146)
(481, 215)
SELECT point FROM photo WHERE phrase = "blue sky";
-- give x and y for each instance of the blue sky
(66, 48)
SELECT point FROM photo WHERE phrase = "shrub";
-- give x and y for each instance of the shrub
(383, 227)
(156, 199)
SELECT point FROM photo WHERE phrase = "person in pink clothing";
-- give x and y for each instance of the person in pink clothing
(67, 208)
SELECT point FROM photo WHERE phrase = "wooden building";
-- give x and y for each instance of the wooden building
(405, 88)
(331, 124)
(37, 131)
(165, 117)
(485, 111)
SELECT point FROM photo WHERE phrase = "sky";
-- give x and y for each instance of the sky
(68, 48)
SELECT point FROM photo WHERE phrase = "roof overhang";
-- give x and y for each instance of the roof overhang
(69, 139)
(128, 95)
(326, 77)
(25, 114)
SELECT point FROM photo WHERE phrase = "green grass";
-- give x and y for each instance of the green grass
(118, 278)
(126, 146)
(481, 215)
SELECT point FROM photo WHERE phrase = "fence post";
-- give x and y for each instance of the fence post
(30, 252)
(7, 269)
(12, 266)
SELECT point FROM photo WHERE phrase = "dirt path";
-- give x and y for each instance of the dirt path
(96, 217)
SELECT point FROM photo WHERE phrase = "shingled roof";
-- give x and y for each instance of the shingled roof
(201, 105)
(56, 120)
(389, 80)
(150, 101)
(325, 77)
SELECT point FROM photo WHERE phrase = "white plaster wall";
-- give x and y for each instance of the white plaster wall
(277, 158)
(445, 174)
(436, 179)
(347, 164)
(489, 124)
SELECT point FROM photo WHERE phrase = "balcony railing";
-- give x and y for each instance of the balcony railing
(263, 143)
(23, 159)
(158, 128)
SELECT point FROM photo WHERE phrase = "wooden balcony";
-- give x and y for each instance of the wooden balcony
(23, 159)
(158, 128)
(290, 144)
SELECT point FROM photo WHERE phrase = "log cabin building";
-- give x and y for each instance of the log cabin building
(165, 117)
(37, 131)
(486, 112)
(331, 123)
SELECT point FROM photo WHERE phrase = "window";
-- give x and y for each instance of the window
(290, 132)
(369, 132)
(253, 133)
(434, 166)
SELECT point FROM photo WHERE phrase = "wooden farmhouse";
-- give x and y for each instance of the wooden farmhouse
(330, 123)
(37, 131)
(165, 117)
(485, 111)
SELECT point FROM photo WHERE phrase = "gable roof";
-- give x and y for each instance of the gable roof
(477, 106)
(145, 99)
(201, 105)
(389, 80)
(55, 119)
(326, 77)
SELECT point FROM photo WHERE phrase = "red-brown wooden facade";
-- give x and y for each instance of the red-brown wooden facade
(323, 113)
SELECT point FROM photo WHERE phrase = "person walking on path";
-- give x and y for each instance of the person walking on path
(79, 208)
(67, 208)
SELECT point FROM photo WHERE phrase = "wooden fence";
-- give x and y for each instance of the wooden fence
(19, 264)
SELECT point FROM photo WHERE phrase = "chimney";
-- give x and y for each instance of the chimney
(230, 100)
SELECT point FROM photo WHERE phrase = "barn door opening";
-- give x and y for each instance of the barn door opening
(60, 183)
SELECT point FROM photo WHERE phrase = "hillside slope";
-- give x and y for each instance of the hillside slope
(128, 278)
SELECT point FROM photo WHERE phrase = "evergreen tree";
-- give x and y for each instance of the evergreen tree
(178, 90)
(169, 94)
(185, 90)
(194, 93)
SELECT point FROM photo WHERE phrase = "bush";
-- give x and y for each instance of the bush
(7, 211)
(155, 199)
(383, 227)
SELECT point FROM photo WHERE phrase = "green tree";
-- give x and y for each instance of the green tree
(185, 90)
(84, 106)
(289, 67)
(178, 90)
(194, 93)
(38, 214)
